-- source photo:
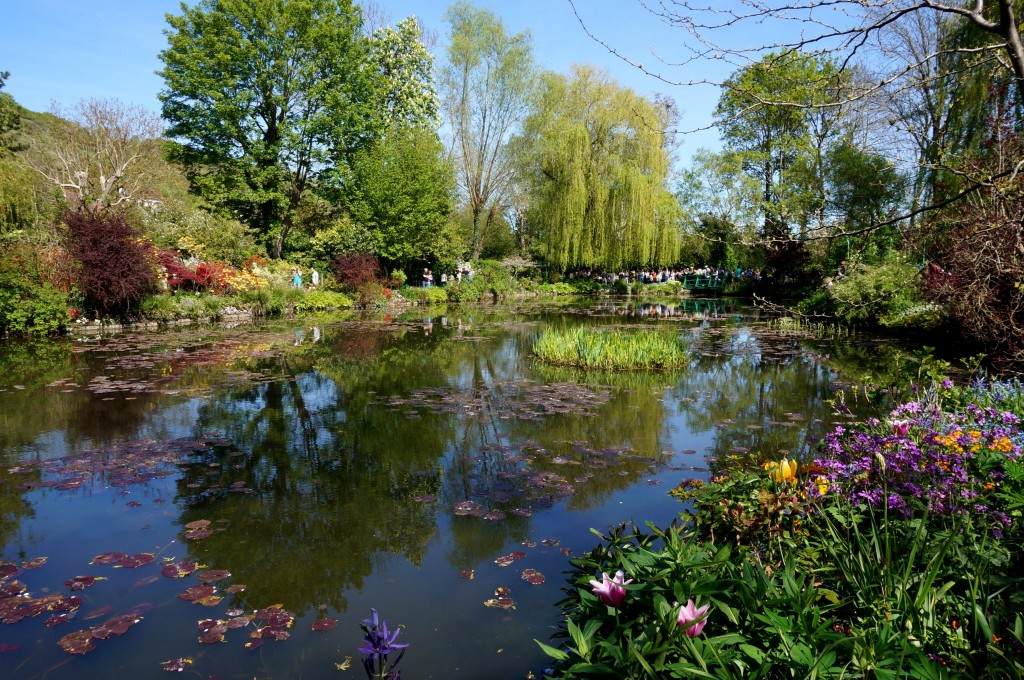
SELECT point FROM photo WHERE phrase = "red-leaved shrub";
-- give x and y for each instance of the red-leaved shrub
(354, 270)
(117, 266)
(205, 276)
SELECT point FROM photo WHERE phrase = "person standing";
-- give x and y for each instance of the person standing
(296, 278)
(314, 277)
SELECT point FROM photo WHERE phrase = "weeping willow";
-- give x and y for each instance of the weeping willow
(600, 171)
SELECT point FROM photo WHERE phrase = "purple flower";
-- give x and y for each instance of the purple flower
(611, 590)
(900, 427)
(692, 618)
(378, 642)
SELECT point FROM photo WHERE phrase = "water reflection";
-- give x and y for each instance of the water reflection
(346, 452)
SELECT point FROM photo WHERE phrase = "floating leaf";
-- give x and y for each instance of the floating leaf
(533, 577)
(78, 642)
(500, 603)
(198, 534)
(34, 563)
(179, 569)
(254, 644)
(504, 560)
(58, 619)
(117, 625)
(324, 624)
(468, 574)
(197, 593)
(214, 575)
(133, 561)
(213, 634)
(82, 582)
(551, 542)
(209, 601)
(108, 558)
(425, 498)
(176, 665)
(198, 524)
(235, 589)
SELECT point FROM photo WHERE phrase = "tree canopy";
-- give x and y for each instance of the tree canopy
(265, 97)
(600, 168)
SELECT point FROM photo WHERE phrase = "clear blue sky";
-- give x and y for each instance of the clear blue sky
(67, 50)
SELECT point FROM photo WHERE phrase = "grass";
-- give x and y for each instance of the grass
(614, 350)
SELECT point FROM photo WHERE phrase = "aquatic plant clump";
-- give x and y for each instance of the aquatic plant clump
(614, 350)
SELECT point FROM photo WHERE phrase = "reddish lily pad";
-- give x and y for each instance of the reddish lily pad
(179, 569)
(235, 589)
(198, 524)
(6, 569)
(175, 665)
(425, 498)
(209, 601)
(324, 624)
(198, 534)
(214, 575)
(197, 593)
(504, 560)
(78, 642)
(468, 574)
(500, 603)
(551, 542)
(213, 634)
(254, 644)
(58, 619)
(133, 561)
(533, 577)
(34, 563)
(117, 625)
(82, 582)
(108, 558)
(237, 622)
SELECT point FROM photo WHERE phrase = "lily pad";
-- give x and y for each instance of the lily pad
(179, 569)
(175, 665)
(78, 642)
(324, 624)
(214, 575)
(133, 561)
(82, 582)
(108, 558)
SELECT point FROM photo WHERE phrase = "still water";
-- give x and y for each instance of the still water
(411, 463)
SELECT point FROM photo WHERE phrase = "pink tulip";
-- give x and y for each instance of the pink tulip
(689, 615)
(900, 427)
(611, 590)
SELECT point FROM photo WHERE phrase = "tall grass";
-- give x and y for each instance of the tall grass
(613, 350)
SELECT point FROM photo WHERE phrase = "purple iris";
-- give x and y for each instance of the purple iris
(378, 642)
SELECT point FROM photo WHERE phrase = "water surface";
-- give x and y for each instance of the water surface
(412, 463)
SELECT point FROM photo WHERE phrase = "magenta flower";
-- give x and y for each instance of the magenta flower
(693, 618)
(611, 590)
(900, 427)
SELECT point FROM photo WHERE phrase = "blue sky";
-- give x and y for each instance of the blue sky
(67, 50)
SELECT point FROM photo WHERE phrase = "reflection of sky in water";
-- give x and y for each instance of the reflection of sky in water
(330, 442)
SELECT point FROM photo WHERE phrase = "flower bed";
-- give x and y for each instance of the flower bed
(894, 552)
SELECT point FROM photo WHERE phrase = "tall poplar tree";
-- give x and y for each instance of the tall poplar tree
(264, 96)
(600, 171)
(486, 85)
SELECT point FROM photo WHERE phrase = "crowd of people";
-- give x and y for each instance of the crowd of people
(430, 279)
(665, 275)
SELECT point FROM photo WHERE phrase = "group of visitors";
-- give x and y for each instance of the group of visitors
(665, 275)
(314, 277)
(430, 279)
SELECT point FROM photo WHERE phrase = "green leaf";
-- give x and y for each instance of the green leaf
(557, 654)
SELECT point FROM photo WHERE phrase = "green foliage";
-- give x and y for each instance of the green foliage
(158, 307)
(322, 301)
(403, 76)
(28, 307)
(888, 294)
(486, 88)
(805, 579)
(10, 113)
(264, 302)
(402, 191)
(600, 166)
(343, 236)
(261, 94)
(612, 350)
(491, 281)
(199, 233)
(425, 296)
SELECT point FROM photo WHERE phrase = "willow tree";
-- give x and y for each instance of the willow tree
(600, 167)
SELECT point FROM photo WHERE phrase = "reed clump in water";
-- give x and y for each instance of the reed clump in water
(613, 350)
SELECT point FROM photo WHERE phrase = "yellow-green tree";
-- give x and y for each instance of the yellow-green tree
(599, 167)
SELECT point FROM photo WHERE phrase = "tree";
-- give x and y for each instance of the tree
(266, 96)
(100, 153)
(403, 75)
(486, 86)
(9, 112)
(600, 173)
(403, 191)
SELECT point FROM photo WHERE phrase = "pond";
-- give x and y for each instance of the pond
(278, 478)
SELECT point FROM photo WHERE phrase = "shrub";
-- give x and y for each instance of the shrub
(425, 296)
(263, 302)
(199, 233)
(355, 270)
(32, 300)
(157, 307)
(871, 294)
(490, 280)
(322, 300)
(117, 267)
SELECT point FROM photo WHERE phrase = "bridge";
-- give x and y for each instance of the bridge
(693, 282)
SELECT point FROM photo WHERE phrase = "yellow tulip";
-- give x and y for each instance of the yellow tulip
(785, 471)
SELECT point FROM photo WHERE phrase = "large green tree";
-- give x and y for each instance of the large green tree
(600, 169)
(486, 86)
(403, 192)
(264, 96)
